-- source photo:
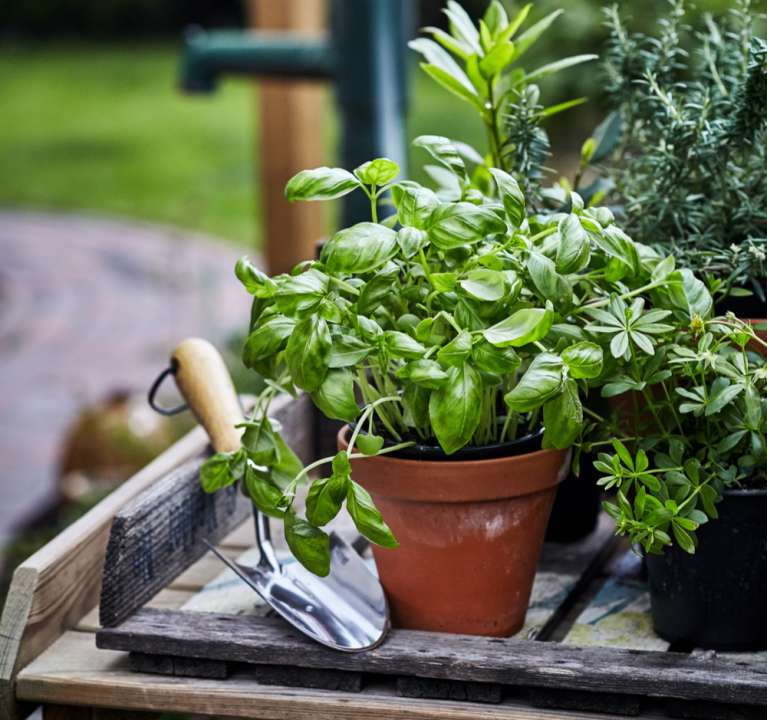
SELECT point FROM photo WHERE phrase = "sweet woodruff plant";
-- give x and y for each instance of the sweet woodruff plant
(465, 317)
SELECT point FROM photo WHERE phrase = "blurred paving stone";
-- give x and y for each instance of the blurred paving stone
(89, 306)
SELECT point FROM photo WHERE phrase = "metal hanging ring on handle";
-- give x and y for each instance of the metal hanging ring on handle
(170, 370)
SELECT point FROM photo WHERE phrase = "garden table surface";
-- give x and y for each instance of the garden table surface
(48, 654)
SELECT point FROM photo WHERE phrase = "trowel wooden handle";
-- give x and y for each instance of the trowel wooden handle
(204, 381)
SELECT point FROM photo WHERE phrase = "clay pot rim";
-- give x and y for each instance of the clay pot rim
(467, 464)
(460, 481)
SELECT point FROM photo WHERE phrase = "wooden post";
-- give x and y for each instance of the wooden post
(292, 115)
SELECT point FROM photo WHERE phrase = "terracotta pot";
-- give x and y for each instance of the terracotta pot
(470, 533)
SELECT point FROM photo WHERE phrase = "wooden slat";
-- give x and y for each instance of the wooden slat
(449, 657)
(54, 588)
(73, 672)
(161, 532)
(168, 599)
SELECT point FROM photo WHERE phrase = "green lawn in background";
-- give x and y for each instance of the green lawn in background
(104, 129)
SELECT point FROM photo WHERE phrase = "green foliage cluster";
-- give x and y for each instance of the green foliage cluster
(468, 317)
(480, 64)
(690, 160)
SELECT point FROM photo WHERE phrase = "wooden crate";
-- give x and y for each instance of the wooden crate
(587, 643)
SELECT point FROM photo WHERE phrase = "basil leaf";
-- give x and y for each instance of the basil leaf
(256, 282)
(444, 152)
(347, 350)
(335, 397)
(307, 352)
(374, 292)
(215, 472)
(416, 401)
(369, 444)
(411, 240)
(541, 381)
(359, 249)
(366, 517)
(523, 327)
(456, 408)
(454, 225)
(298, 293)
(484, 284)
(266, 340)
(583, 360)
(260, 442)
(263, 492)
(511, 195)
(322, 183)
(549, 283)
(699, 301)
(414, 203)
(574, 247)
(457, 350)
(614, 242)
(377, 172)
(563, 418)
(326, 496)
(491, 359)
(427, 373)
(402, 345)
(309, 545)
(287, 466)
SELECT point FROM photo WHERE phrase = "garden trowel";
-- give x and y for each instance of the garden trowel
(347, 610)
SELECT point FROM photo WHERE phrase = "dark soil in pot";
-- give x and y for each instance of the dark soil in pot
(576, 507)
(470, 533)
(717, 598)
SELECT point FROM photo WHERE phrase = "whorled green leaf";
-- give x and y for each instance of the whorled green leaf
(322, 183)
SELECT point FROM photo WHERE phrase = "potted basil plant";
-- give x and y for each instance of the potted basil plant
(452, 337)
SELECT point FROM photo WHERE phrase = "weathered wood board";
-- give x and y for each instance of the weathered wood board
(163, 531)
(506, 661)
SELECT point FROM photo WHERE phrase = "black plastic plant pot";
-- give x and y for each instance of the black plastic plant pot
(717, 598)
(576, 508)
